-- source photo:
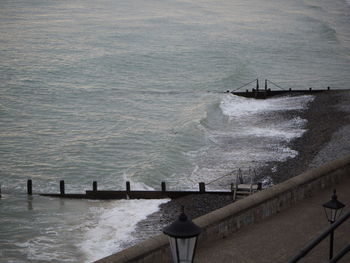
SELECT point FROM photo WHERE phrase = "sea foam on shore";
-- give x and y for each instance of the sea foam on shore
(112, 230)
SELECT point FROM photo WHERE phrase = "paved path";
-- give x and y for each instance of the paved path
(280, 237)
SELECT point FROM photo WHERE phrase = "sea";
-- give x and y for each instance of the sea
(135, 90)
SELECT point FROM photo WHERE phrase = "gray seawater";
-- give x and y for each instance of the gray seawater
(135, 90)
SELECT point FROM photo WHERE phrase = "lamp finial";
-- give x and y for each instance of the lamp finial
(183, 216)
(334, 196)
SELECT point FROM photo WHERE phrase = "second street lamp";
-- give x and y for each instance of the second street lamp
(333, 209)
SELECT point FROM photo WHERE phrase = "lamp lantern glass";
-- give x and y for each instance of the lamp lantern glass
(183, 234)
(333, 208)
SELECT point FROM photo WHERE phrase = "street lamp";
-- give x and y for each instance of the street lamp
(333, 209)
(183, 234)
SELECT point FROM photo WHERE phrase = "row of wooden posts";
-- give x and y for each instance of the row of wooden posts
(267, 89)
(236, 191)
(94, 187)
(267, 93)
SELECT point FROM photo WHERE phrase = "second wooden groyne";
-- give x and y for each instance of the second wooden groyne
(266, 92)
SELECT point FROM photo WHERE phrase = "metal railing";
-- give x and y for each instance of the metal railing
(321, 237)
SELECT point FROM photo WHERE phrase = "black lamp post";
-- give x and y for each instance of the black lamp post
(333, 209)
(183, 234)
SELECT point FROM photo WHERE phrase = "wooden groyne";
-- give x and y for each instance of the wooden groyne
(237, 191)
(266, 92)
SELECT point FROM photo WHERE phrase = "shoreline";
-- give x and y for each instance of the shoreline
(326, 115)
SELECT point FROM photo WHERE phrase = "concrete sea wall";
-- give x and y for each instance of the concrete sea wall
(225, 221)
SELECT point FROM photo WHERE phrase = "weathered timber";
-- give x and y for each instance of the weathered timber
(127, 184)
(134, 194)
(146, 194)
(267, 93)
(163, 186)
(73, 196)
(29, 187)
(202, 187)
(243, 190)
(62, 188)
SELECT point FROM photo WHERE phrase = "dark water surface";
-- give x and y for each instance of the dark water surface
(133, 90)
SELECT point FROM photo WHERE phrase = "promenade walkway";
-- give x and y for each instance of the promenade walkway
(280, 237)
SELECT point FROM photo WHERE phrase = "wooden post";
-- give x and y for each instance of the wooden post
(128, 187)
(251, 185)
(265, 84)
(259, 186)
(257, 84)
(290, 89)
(310, 89)
(233, 191)
(163, 187)
(94, 186)
(202, 187)
(62, 187)
(328, 88)
(29, 187)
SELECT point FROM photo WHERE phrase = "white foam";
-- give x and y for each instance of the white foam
(281, 133)
(235, 106)
(115, 225)
(267, 137)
